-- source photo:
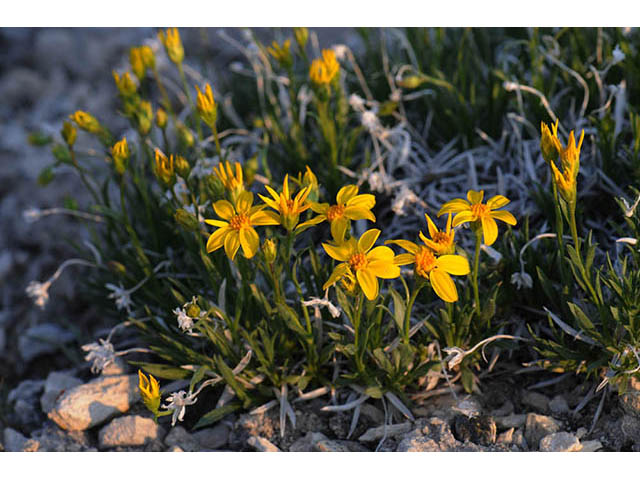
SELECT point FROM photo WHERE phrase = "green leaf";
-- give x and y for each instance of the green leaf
(467, 379)
(374, 392)
(217, 414)
(399, 309)
(160, 370)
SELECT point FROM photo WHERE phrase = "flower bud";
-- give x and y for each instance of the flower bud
(281, 53)
(270, 250)
(125, 84)
(116, 267)
(86, 122)
(182, 166)
(164, 170)
(302, 35)
(148, 57)
(136, 62)
(206, 106)
(144, 117)
(310, 180)
(184, 135)
(186, 220)
(120, 154)
(410, 81)
(69, 133)
(172, 44)
(550, 145)
(150, 392)
(161, 118)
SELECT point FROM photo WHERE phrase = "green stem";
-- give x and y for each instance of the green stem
(193, 107)
(356, 328)
(407, 314)
(476, 265)
(163, 92)
(217, 140)
(559, 222)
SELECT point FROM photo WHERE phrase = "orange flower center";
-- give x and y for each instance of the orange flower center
(239, 221)
(425, 261)
(442, 238)
(358, 261)
(335, 212)
(479, 210)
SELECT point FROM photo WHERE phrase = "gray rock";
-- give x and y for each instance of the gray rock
(559, 405)
(630, 400)
(591, 446)
(26, 390)
(331, 446)
(174, 449)
(511, 421)
(53, 439)
(519, 440)
(630, 426)
(54, 47)
(435, 436)
(24, 400)
(560, 442)
(504, 410)
(538, 427)
(14, 441)
(581, 432)
(42, 339)
(179, 437)
(480, 429)
(388, 431)
(308, 442)
(93, 403)
(21, 85)
(129, 431)
(213, 438)
(56, 384)
(261, 444)
(372, 412)
(537, 401)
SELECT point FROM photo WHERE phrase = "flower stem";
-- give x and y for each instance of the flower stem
(407, 314)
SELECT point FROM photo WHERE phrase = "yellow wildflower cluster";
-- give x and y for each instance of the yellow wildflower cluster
(323, 70)
(170, 38)
(206, 106)
(141, 58)
(164, 168)
(281, 53)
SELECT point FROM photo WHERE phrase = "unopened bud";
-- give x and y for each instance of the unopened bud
(186, 220)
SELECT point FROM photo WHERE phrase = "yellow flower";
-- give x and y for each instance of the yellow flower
(136, 62)
(125, 84)
(182, 166)
(232, 182)
(149, 391)
(270, 250)
(302, 35)
(567, 180)
(206, 106)
(550, 145)
(482, 215)
(164, 168)
(441, 242)
(281, 52)
(237, 229)
(120, 154)
(438, 269)
(148, 57)
(69, 133)
(144, 117)
(288, 208)
(323, 70)
(86, 121)
(161, 118)
(361, 261)
(349, 206)
(310, 180)
(172, 44)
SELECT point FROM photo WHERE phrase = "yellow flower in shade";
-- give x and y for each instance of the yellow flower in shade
(438, 269)
(360, 260)
(206, 106)
(69, 133)
(120, 154)
(323, 70)
(270, 250)
(148, 57)
(149, 391)
(161, 118)
(302, 35)
(550, 145)
(125, 84)
(288, 208)
(349, 206)
(172, 44)
(567, 180)
(483, 216)
(441, 242)
(281, 53)
(236, 230)
(164, 168)
(309, 179)
(86, 121)
(232, 181)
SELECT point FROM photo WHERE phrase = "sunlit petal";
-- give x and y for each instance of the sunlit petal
(443, 285)
(368, 282)
(489, 230)
(453, 264)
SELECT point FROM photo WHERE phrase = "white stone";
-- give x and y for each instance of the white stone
(129, 431)
(93, 403)
(56, 384)
(560, 442)
(261, 444)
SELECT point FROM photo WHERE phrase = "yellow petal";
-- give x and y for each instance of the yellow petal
(453, 264)
(321, 208)
(337, 274)
(339, 229)
(368, 282)
(244, 202)
(404, 259)
(249, 241)
(216, 223)
(462, 217)
(406, 244)
(381, 253)
(270, 202)
(475, 197)
(340, 252)
(231, 244)
(497, 202)
(224, 209)
(264, 218)
(505, 216)
(346, 193)
(454, 206)
(285, 187)
(365, 200)
(443, 285)
(216, 239)
(383, 268)
(357, 213)
(432, 226)
(272, 192)
(368, 239)
(489, 230)
(311, 222)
